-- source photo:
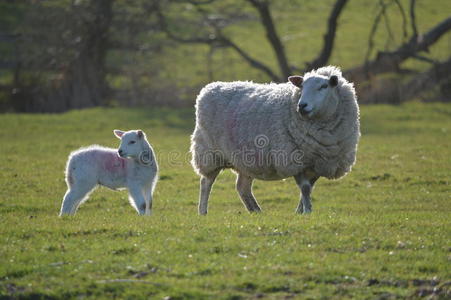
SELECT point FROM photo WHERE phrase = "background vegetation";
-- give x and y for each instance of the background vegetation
(58, 55)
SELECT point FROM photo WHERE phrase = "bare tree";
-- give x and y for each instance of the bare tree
(266, 19)
(262, 7)
(68, 61)
(329, 37)
(394, 90)
(390, 61)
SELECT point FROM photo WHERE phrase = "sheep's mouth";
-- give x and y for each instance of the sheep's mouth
(305, 114)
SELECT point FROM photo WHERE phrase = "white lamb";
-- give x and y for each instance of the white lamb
(133, 166)
(305, 129)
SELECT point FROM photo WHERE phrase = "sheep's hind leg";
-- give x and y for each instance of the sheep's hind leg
(244, 188)
(206, 183)
(74, 196)
(306, 186)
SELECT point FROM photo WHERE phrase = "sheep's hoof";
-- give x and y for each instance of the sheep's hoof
(302, 211)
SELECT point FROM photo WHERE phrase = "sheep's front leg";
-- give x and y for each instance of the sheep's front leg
(306, 185)
(244, 188)
(137, 200)
(148, 199)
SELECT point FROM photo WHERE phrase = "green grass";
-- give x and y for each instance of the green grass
(383, 231)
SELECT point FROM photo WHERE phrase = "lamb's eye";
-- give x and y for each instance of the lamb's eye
(131, 142)
(322, 87)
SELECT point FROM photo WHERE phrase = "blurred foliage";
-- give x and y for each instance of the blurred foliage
(143, 66)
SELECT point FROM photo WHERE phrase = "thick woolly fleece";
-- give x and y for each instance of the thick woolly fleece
(257, 130)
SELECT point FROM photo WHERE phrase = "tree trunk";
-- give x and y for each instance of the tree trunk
(329, 37)
(85, 80)
(82, 81)
(393, 91)
(273, 37)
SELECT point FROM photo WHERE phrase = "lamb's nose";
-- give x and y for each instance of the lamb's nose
(120, 151)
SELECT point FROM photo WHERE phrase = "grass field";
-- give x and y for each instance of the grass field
(384, 231)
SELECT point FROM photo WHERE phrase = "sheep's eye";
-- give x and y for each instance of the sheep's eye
(322, 87)
(131, 142)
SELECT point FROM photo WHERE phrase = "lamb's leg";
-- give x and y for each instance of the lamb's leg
(306, 185)
(244, 188)
(136, 197)
(206, 182)
(148, 199)
(75, 195)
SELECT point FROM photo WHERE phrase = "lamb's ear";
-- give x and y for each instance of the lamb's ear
(333, 80)
(296, 80)
(118, 133)
(140, 134)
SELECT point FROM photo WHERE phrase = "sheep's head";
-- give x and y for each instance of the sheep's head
(319, 98)
(133, 143)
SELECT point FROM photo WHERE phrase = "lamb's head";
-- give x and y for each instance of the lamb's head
(319, 98)
(133, 143)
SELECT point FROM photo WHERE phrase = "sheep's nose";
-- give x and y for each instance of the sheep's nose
(120, 151)
(302, 107)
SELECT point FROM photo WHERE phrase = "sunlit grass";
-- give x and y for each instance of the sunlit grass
(382, 230)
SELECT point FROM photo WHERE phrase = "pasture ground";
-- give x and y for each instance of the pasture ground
(384, 231)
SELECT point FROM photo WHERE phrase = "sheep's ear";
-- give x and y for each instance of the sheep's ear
(118, 133)
(296, 80)
(333, 81)
(140, 134)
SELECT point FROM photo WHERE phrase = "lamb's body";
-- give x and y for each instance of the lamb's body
(105, 167)
(256, 130)
(96, 165)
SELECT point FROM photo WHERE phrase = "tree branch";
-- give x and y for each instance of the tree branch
(390, 61)
(218, 40)
(426, 81)
(271, 33)
(412, 18)
(389, 31)
(329, 37)
(191, 40)
(253, 62)
(389, 91)
(403, 15)
(373, 31)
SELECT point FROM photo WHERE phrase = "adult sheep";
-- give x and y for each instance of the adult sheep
(306, 128)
